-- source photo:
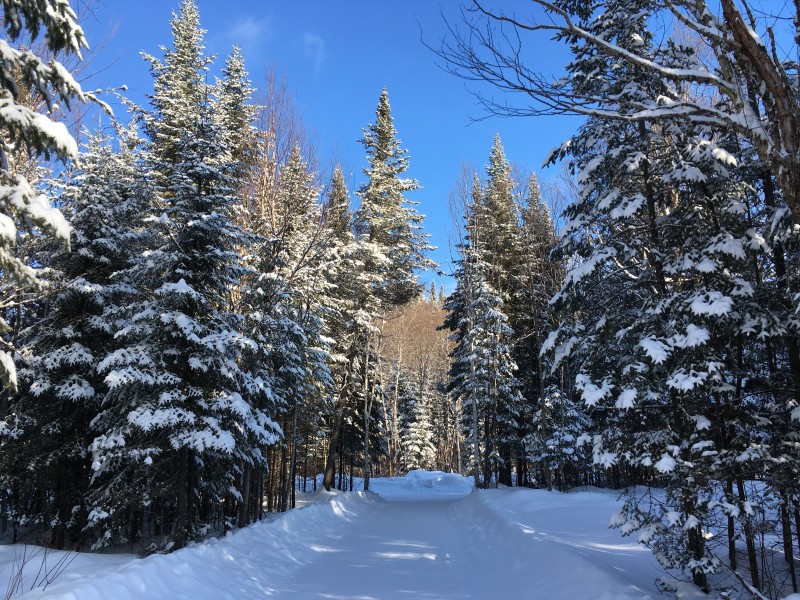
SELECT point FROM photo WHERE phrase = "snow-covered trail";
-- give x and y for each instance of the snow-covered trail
(402, 550)
(424, 536)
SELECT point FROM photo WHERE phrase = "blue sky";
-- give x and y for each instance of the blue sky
(337, 56)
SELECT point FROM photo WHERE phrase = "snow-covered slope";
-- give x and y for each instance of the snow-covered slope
(242, 565)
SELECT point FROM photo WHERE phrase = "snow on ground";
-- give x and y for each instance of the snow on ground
(243, 564)
(567, 536)
(448, 543)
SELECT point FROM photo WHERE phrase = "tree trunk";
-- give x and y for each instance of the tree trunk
(244, 511)
(752, 557)
(476, 440)
(788, 548)
(293, 460)
(731, 526)
(333, 447)
(181, 514)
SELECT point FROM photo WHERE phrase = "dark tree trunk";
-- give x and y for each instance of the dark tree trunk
(752, 557)
(181, 514)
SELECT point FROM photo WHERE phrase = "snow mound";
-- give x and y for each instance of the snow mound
(422, 485)
(245, 564)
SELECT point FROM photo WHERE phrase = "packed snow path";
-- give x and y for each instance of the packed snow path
(454, 550)
(401, 550)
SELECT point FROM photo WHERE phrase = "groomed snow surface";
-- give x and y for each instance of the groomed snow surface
(424, 536)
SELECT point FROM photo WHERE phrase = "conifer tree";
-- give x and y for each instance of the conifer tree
(482, 375)
(386, 218)
(292, 293)
(389, 228)
(235, 115)
(658, 295)
(26, 133)
(185, 409)
(350, 310)
(61, 390)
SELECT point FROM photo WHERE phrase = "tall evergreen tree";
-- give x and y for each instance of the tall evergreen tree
(61, 390)
(389, 228)
(386, 218)
(660, 294)
(184, 409)
(235, 115)
(26, 133)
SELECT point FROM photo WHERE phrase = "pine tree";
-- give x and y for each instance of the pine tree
(235, 115)
(27, 133)
(386, 218)
(389, 228)
(350, 308)
(498, 215)
(61, 391)
(416, 426)
(185, 411)
(660, 295)
(482, 375)
(292, 293)
(538, 279)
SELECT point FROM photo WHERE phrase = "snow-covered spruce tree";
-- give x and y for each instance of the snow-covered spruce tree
(539, 277)
(350, 309)
(235, 114)
(500, 237)
(390, 230)
(415, 424)
(736, 96)
(552, 446)
(60, 389)
(26, 132)
(660, 292)
(482, 370)
(488, 388)
(292, 287)
(501, 249)
(386, 218)
(182, 411)
(458, 321)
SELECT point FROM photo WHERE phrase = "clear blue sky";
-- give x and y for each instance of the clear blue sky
(337, 56)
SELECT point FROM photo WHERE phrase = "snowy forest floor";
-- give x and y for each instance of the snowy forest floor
(422, 537)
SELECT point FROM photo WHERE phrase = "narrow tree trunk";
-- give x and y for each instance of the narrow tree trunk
(282, 489)
(181, 514)
(333, 447)
(731, 526)
(293, 460)
(352, 470)
(244, 511)
(366, 441)
(797, 523)
(476, 440)
(367, 411)
(544, 434)
(788, 548)
(752, 557)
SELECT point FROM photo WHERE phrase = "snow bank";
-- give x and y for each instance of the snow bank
(566, 532)
(244, 564)
(422, 485)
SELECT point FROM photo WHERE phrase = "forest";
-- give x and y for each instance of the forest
(198, 321)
